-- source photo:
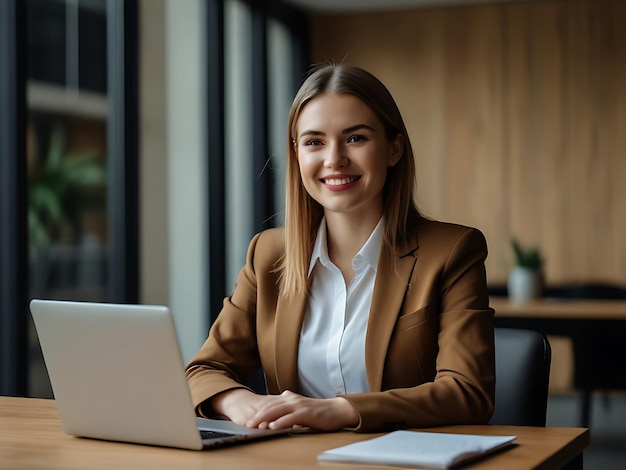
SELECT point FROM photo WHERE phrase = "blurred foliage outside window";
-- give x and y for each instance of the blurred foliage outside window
(60, 189)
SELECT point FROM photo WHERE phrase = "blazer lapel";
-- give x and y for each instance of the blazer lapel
(389, 292)
(289, 318)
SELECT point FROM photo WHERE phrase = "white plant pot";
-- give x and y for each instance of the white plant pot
(524, 284)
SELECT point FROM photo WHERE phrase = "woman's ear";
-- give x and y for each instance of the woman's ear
(397, 148)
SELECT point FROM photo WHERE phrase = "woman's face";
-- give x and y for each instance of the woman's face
(344, 153)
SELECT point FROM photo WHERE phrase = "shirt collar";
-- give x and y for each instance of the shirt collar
(320, 249)
(370, 252)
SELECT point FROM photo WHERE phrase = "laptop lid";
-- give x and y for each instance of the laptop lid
(117, 374)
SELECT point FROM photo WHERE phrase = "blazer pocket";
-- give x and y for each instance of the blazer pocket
(412, 351)
(410, 320)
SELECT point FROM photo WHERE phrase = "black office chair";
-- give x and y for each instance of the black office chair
(522, 377)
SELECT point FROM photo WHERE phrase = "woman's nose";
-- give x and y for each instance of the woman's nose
(335, 156)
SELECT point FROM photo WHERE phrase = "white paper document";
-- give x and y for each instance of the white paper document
(417, 449)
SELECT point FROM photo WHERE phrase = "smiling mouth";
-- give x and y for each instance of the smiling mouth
(339, 181)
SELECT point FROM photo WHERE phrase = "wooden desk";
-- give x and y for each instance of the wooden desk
(597, 329)
(31, 437)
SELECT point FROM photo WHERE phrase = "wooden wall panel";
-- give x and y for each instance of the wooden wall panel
(535, 78)
(616, 128)
(465, 125)
(595, 90)
(517, 113)
(474, 122)
(424, 111)
(586, 165)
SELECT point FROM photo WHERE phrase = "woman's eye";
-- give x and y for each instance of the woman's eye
(313, 142)
(356, 138)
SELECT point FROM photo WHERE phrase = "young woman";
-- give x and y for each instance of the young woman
(362, 313)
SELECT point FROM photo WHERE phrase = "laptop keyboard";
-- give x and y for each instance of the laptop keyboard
(213, 434)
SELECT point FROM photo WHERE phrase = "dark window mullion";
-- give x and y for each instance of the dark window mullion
(13, 209)
(216, 148)
(122, 160)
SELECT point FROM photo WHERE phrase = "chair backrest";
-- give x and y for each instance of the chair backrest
(522, 377)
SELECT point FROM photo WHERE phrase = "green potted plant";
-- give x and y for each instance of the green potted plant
(59, 188)
(526, 278)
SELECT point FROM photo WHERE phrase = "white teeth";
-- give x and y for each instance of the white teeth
(339, 181)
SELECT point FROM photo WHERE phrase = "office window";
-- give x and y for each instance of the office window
(77, 164)
(67, 148)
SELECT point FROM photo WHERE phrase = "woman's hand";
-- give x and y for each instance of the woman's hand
(238, 405)
(290, 409)
(285, 410)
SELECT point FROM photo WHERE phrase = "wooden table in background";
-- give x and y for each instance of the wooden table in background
(31, 437)
(560, 309)
(597, 329)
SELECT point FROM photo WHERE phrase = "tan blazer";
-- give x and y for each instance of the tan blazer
(429, 349)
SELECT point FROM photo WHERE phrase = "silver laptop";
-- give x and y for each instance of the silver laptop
(117, 374)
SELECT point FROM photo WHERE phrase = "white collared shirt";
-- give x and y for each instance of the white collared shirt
(331, 356)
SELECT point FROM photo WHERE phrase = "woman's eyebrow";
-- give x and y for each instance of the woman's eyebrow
(348, 130)
(357, 127)
(311, 132)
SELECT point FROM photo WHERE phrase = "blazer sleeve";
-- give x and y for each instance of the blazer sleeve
(448, 297)
(229, 357)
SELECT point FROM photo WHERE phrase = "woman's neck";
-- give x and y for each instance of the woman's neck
(346, 236)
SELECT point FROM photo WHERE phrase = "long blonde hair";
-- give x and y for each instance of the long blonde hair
(302, 213)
